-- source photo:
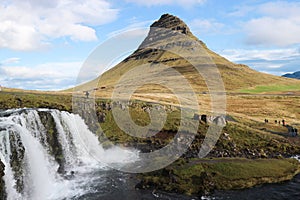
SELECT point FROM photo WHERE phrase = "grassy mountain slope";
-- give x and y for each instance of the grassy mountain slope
(236, 77)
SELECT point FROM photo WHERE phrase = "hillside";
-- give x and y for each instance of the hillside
(171, 43)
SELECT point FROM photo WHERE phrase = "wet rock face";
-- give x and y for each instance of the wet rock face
(2, 186)
(55, 147)
(17, 159)
(86, 109)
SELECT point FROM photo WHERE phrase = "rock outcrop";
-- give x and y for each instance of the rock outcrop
(171, 22)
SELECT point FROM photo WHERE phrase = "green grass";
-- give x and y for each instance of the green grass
(17, 99)
(204, 175)
(246, 169)
(243, 173)
(272, 88)
(141, 118)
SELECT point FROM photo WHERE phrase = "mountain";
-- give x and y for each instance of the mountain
(172, 52)
(293, 75)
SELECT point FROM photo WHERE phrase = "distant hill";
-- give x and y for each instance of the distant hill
(293, 75)
(234, 76)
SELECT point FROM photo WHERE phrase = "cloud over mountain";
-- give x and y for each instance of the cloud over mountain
(29, 24)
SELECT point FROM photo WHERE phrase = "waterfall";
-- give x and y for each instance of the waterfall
(42, 149)
(5, 158)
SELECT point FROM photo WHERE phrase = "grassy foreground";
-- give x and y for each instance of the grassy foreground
(205, 175)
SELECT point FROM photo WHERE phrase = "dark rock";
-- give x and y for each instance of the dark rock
(204, 118)
(53, 139)
(171, 22)
(2, 186)
(101, 117)
(17, 159)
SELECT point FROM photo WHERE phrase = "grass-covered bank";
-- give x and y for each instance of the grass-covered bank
(202, 176)
(17, 99)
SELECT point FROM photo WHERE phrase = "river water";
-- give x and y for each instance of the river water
(288, 190)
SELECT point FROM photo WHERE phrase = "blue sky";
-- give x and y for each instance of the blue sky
(43, 43)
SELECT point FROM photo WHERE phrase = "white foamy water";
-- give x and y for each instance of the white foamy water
(23, 133)
(297, 157)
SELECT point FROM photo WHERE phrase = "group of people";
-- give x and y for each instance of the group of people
(282, 122)
(277, 122)
(292, 131)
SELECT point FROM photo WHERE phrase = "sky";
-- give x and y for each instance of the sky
(44, 43)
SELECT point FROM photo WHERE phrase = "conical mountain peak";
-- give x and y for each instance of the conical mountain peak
(167, 31)
(171, 22)
(170, 43)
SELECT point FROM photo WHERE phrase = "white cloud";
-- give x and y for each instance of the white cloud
(278, 24)
(272, 61)
(269, 55)
(9, 61)
(272, 31)
(184, 3)
(209, 26)
(29, 24)
(280, 8)
(47, 76)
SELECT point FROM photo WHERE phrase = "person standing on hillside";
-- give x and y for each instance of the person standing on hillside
(87, 94)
